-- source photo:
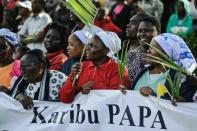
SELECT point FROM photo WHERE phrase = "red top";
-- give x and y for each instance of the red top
(56, 59)
(107, 25)
(105, 76)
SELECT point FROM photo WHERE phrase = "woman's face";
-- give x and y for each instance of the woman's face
(180, 7)
(6, 51)
(52, 41)
(96, 49)
(132, 27)
(31, 68)
(151, 51)
(146, 31)
(75, 47)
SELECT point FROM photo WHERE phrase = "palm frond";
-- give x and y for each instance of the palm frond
(85, 10)
(166, 60)
(122, 61)
(171, 85)
(177, 86)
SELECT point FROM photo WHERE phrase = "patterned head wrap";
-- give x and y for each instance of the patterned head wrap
(177, 50)
(11, 37)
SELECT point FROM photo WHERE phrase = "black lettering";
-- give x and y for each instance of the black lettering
(39, 115)
(72, 115)
(129, 117)
(62, 116)
(143, 115)
(161, 120)
(95, 116)
(79, 111)
(53, 118)
(112, 112)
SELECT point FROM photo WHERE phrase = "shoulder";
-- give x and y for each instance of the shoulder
(45, 16)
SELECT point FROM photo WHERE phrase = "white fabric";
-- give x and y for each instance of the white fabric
(84, 36)
(11, 37)
(86, 33)
(25, 4)
(57, 79)
(115, 111)
(34, 25)
(111, 41)
(93, 30)
(175, 47)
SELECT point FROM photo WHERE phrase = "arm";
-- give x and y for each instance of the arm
(67, 92)
(31, 38)
(115, 80)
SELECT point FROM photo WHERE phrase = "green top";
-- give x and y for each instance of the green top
(185, 25)
(151, 80)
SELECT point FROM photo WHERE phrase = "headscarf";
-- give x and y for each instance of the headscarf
(111, 41)
(175, 47)
(86, 33)
(11, 37)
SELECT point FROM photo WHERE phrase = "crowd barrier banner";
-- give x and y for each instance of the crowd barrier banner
(99, 111)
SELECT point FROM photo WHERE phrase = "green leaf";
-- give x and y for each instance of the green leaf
(168, 62)
(170, 82)
(122, 61)
(178, 84)
(85, 10)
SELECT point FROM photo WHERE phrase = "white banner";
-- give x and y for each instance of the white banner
(99, 111)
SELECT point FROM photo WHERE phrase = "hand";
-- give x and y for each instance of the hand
(146, 91)
(177, 99)
(87, 87)
(4, 89)
(123, 89)
(76, 69)
(26, 101)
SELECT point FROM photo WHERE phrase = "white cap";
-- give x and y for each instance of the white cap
(111, 41)
(86, 33)
(83, 35)
(25, 4)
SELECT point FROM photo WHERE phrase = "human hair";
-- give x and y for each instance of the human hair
(39, 55)
(140, 16)
(42, 2)
(154, 21)
(7, 43)
(62, 31)
(23, 49)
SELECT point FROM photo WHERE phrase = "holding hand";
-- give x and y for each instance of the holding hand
(76, 69)
(123, 89)
(87, 87)
(4, 89)
(146, 91)
(26, 101)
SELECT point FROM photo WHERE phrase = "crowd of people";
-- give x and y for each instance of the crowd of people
(47, 53)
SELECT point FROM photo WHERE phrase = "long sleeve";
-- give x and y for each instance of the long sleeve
(115, 80)
(67, 92)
